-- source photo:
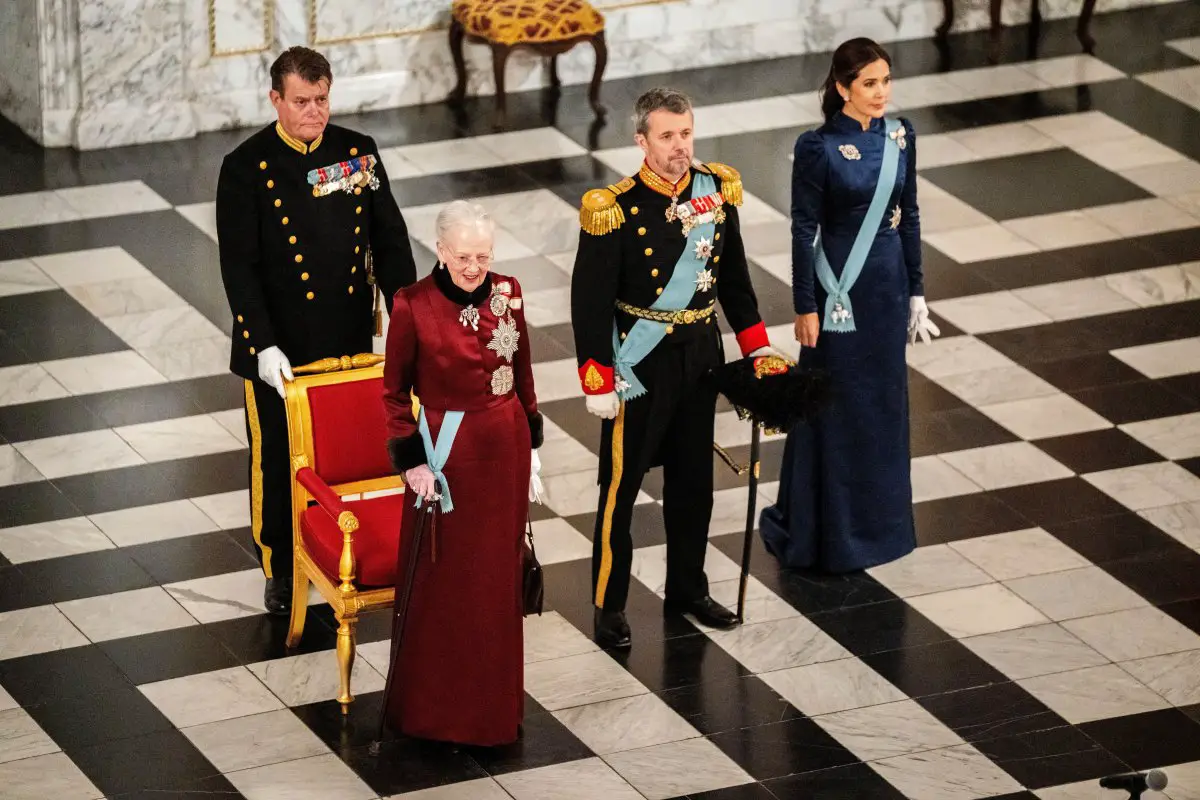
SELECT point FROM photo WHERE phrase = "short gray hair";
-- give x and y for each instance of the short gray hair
(461, 214)
(658, 99)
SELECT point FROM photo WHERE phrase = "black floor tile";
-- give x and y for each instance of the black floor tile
(807, 591)
(946, 279)
(679, 662)
(143, 404)
(1192, 465)
(1084, 372)
(1161, 576)
(783, 748)
(443, 188)
(544, 347)
(147, 484)
(1149, 111)
(1051, 757)
(1063, 340)
(1036, 183)
(544, 742)
(953, 519)
(71, 675)
(216, 392)
(991, 712)
(720, 706)
(880, 627)
(1029, 269)
(1096, 451)
(858, 781)
(345, 733)
(87, 575)
(957, 429)
(647, 522)
(1152, 739)
(17, 591)
(406, 765)
(1065, 500)
(925, 397)
(34, 322)
(573, 417)
(934, 669)
(1134, 402)
(166, 655)
(19, 423)
(749, 791)
(123, 765)
(1185, 611)
(261, 637)
(1111, 538)
(119, 712)
(191, 557)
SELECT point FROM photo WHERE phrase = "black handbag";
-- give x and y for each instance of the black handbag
(533, 589)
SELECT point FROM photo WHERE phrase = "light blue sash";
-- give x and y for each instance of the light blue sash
(439, 455)
(839, 315)
(645, 334)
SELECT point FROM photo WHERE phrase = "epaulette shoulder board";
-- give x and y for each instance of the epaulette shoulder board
(599, 211)
(731, 182)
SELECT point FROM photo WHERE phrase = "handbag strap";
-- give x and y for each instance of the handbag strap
(529, 536)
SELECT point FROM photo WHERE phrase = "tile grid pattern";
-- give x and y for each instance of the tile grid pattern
(1046, 632)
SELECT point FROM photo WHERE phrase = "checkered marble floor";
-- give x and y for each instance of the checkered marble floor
(1046, 632)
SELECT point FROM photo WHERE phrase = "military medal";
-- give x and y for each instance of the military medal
(345, 176)
(697, 211)
(502, 381)
(703, 249)
(504, 339)
(704, 280)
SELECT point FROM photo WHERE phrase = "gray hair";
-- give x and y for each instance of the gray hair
(463, 215)
(658, 99)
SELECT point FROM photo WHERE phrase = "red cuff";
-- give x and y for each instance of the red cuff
(753, 338)
(596, 378)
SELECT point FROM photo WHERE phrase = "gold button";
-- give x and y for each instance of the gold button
(262, 165)
(278, 203)
(251, 351)
(716, 259)
(654, 273)
(649, 251)
(291, 240)
(358, 190)
(670, 329)
(658, 290)
(240, 318)
(358, 210)
(299, 258)
(707, 320)
(353, 270)
(633, 210)
(303, 276)
(353, 151)
(285, 220)
(641, 231)
(356, 248)
(623, 337)
(350, 290)
(270, 184)
(717, 238)
(357, 229)
(310, 295)
(245, 334)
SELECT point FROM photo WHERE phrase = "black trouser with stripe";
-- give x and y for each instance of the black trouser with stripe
(671, 425)
(270, 479)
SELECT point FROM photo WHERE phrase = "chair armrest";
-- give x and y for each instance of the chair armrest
(328, 500)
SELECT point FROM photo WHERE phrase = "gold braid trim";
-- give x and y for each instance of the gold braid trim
(599, 211)
(731, 182)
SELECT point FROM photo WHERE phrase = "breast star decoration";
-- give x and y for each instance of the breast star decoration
(704, 250)
(850, 152)
(704, 280)
(505, 338)
(895, 218)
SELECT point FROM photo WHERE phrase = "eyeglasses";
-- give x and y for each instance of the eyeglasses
(483, 260)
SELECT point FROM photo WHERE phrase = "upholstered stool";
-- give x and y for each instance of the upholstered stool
(549, 27)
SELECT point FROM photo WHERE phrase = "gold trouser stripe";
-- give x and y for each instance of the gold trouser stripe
(610, 504)
(256, 478)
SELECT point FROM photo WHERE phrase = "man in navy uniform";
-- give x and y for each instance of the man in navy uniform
(311, 238)
(657, 251)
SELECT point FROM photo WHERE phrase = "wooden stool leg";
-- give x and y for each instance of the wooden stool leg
(601, 47)
(457, 34)
(1083, 31)
(943, 30)
(499, 61)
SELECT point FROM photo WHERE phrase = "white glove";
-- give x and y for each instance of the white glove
(421, 480)
(604, 406)
(274, 368)
(536, 489)
(767, 350)
(919, 323)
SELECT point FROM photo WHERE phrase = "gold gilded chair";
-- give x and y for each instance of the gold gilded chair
(346, 547)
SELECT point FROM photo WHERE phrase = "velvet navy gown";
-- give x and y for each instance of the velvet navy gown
(845, 492)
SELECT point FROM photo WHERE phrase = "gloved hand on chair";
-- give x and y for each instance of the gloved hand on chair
(274, 368)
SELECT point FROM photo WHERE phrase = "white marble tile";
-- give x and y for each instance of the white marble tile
(255, 741)
(1095, 693)
(952, 773)
(1189, 47)
(679, 768)
(28, 383)
(557, 380)
(315, 778)
(1179, 84)
(454, 155)
(1076, 593)
(991, 386)
(977, 610)
(221, 597)
(992, 311)
(99, 265)
(1129, 153)
(1163, 359)
(1154, 287)
(112, 199)
(732, 431)
(313, 677)
(779, 644)
(129, 296)
(585, 779)
(832, 686)
(948, 213)
(78, 453)
(14, 468)
(562, 453)
(941, 150)
(196, 358)
(167, 326)
(6, 701)
(481, 789)
(103, 373)
(1001, 141)
(1171, 437)
(184, 437)
(1188, 201)
(53, 539)
(41, 629)
(1072, 70)
(1038, 650)
(234, 421)
(729, 507)
(885, 731)
(557, 542)
(34, 208)
(927, 570)
(650, 566)
(576, 492)
(919, 91)
(762, 605)
(955, 355)
(22, 277)
(1045, 417)
(625, 160)
(1137, 633)
(20, 737)
(1089, 126)
(1176, 178)
(579, 680)
(204, 215)
(755, 211)
(1019, 554)
(1074, 299)
(1142, 217)
(548, 307)
(995, 81)
(1003, 465)
(980, 243)
(627, 723)
(132, 613)
(549, 636)
(42, 777)
(397, 166)
(211, 697)
(229, 510)
(1176, 677)
(1147, 485)
(1180, 521)
(1064, 229)
(535, 144)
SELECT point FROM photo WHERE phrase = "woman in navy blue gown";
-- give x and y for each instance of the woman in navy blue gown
(845, 493)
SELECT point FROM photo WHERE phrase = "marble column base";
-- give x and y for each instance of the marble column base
(124, 124)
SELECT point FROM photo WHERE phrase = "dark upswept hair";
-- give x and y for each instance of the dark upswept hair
(658, 99)
(849, 60)
(304, 62)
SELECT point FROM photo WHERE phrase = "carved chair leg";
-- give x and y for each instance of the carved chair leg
(1083, 30)
(996, 31)
(457, 34)
(943, 30)
(600, 45)
(500, 54)
(345, 658)
(299, 606)
(555, 82)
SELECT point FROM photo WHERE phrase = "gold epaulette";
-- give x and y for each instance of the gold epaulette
(599, 212)
(731, 182)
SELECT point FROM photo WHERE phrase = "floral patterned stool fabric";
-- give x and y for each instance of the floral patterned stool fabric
(550, 27)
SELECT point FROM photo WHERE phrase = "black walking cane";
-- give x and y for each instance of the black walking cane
(414, 552)
(751, 508)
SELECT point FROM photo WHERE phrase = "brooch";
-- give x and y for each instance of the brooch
(850, 152)
(502, 381)
(619, 383)
(504, 339)
(898, 136)
(469, 316)
(704, 280)
(895, 221)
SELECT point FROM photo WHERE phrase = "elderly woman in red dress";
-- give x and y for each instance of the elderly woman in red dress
(457, 340)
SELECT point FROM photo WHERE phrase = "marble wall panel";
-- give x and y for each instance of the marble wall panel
(20, 70)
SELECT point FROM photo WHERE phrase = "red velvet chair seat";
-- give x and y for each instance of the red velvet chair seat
(376, 542)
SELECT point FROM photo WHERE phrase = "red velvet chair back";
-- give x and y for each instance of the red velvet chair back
(349, 431)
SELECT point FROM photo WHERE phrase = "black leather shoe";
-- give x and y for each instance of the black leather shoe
(705, 610)
(278, 596)
(612, 631)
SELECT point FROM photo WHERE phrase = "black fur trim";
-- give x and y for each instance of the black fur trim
(406, 453)
(536, 433)
(778, 402)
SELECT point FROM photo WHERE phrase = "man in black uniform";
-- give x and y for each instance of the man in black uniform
(656, 253)
(309, 231)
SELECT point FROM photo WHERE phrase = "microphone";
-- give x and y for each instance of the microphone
(1136, 782)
